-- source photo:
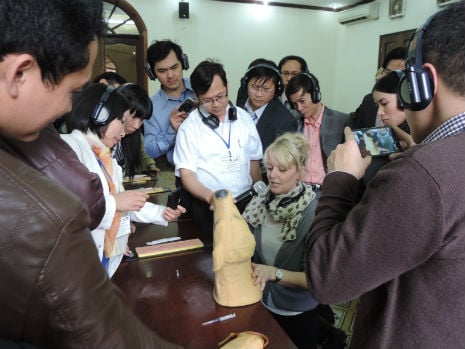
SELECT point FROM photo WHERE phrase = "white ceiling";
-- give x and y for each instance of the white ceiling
(330, 5)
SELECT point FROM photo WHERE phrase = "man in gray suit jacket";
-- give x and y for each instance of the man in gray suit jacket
(323, 127)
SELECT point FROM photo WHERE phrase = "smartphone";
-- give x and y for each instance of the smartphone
(377, 141)
(174, 198)
(187, 105)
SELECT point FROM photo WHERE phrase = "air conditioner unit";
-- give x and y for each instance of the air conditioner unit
(360, 13)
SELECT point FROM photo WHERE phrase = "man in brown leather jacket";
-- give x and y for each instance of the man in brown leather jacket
(54, 292)
(52, 156)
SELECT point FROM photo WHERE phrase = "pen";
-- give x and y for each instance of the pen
(160, 241)
(219, 319)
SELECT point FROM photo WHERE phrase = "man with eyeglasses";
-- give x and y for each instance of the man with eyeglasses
(289, 67)
(366, 113)
(264, 86)
(218, 146)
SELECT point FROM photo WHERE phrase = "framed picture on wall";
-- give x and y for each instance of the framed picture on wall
(396, 8)
(441, 3)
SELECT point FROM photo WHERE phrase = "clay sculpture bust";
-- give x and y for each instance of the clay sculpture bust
(233, 247)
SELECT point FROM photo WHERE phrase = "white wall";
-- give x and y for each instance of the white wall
(344, 58)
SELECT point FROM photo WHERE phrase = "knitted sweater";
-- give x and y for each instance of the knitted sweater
(402, 247)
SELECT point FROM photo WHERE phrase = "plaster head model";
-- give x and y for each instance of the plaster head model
(233, 247)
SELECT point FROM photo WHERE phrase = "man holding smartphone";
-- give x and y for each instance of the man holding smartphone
(401, 249)
(166, 62)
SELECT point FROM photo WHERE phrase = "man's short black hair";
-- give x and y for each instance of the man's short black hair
(159, 50)
(396, 53)
(303, 63)
(56, 32)
(202, 76)
(444, 46)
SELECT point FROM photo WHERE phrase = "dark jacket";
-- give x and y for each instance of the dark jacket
(53, 157)
(54, 292)
(275, 121)
(365, 115)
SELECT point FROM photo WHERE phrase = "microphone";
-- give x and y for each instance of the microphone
(244, 198)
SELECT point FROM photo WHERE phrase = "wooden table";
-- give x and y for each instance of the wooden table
(173, 294)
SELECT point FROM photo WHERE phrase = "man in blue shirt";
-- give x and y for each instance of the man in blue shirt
(165, 62)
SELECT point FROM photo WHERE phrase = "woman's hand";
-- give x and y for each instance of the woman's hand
(130, 200)
(128, 251)
(261, 274)
(170, 215)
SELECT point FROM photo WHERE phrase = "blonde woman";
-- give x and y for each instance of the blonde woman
(280, 219)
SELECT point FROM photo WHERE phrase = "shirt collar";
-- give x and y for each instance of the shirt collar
(449, 128)
(257, 112)
(182, 97)
(317, 123)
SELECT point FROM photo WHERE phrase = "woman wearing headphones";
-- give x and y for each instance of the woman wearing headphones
(390, 112)
(96, 124)
(280, 218)
(130, 152)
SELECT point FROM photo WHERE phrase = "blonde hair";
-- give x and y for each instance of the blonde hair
(287, 150)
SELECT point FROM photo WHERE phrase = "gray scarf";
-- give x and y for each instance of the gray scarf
(256, 211)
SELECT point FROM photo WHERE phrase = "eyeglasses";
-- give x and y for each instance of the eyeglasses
(209, 101)
(289, 73)
(399, 66)
(264, 90)
(387, 71)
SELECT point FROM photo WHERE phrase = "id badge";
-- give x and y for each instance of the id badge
(230, 164)
(125, 225)
(122, 237)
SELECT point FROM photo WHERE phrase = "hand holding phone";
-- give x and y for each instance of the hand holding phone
(187, 105)
(376, 141)
(174, 198)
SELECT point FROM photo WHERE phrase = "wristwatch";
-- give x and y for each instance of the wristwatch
(278, 275)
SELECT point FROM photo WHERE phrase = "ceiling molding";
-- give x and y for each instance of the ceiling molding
(299, 6)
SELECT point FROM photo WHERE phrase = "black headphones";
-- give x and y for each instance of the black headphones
(101, 113)
(284, 202)
(150, 73)
(279, 83)
(315, 94)
(213, 122)
(400, 104)
(416, 86)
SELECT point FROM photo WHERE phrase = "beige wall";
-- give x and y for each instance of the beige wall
(344, 58)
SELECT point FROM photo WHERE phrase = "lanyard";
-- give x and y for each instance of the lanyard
(227, 144)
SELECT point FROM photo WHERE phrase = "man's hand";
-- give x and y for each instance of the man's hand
(405, 139)
(347, 158)
(177, 118)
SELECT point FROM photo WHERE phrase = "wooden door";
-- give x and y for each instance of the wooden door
(389, 41)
